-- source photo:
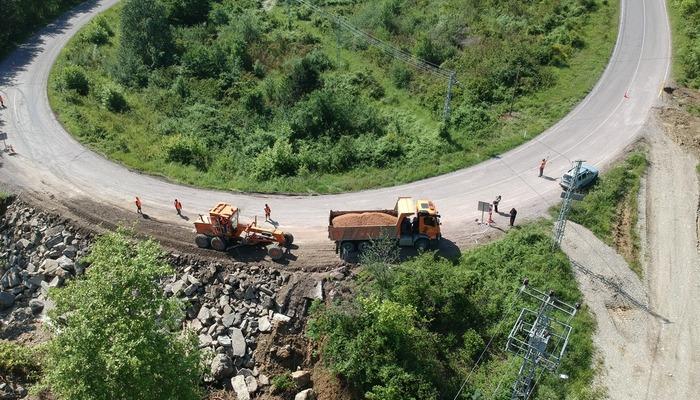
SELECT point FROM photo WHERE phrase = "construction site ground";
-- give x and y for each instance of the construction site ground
(648, 328)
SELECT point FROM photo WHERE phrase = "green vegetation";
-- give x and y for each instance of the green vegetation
(283, 383)
(117, 335)
(225, 94)
(613, 195)
(418, 327)
(20, 18)
(19, 361)
(685, 20)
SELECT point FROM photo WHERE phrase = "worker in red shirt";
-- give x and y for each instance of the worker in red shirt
(138, 205)
(2, 103)
(178, 207)
(267, 212)
(542, 164)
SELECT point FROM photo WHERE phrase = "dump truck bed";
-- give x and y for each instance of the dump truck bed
(362, 225)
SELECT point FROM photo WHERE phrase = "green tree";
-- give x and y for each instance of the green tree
(145, 33)
(187, 12)
(116, 332)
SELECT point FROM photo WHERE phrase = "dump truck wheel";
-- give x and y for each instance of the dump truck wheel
(218, 244)
(347, 247)
(275, 253)
(288, 239)
(422, 245)
(202, 241)
(364, 246)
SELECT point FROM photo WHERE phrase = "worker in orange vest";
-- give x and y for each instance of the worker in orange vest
(138, 205)
(178, 207)
(267, 212)
(542, 164)
(2, 103)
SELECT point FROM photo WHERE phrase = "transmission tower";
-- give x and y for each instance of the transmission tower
(448, 96)
(539, 338)
(566, 206)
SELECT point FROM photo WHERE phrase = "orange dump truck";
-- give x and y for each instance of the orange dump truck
(412, 223)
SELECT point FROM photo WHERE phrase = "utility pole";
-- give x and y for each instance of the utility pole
(539, 338)
(448, 96)
(566, 206)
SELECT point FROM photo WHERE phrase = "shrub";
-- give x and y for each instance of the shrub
(187, 150)
(112, 98)
(278, 160)
(401, 76)
(18, 360)
(118, 332)
(283, 383)
(73, 78)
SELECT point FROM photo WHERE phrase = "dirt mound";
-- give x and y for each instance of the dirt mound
(364, 219)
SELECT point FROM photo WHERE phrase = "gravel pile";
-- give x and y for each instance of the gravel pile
(364, 219)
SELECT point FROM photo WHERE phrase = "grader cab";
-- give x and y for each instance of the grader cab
(222, 230)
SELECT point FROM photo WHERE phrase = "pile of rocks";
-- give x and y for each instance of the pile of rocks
(39, 252)
(228, 307)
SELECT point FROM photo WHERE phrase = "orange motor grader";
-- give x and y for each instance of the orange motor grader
(222, 230)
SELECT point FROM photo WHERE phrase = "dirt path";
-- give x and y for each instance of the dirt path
(618, 300)
(673, 271)
(648, 332)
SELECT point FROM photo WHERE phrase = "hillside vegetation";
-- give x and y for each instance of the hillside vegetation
(419, 327)
(230, 95)
(685, 16)
(19, 18)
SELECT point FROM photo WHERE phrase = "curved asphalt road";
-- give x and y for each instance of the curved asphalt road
(597, 130)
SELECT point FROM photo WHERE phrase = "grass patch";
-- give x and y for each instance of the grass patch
(610, 208)
(238, 129)
(685, 28)
(417, 328)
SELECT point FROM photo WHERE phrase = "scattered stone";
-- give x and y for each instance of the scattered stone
(221, 367)
(238, 344)
(263, 380)
(301, 378)
(307, 394)
(264, 324)
(36, 305)
(240, 387)
(7, 300)
(252, 384)
(281, 318)
(224, 341)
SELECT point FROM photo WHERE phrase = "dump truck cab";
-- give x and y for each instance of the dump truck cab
(419, 223)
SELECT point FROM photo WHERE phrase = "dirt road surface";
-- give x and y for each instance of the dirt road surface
(50, 161)
(649, 333)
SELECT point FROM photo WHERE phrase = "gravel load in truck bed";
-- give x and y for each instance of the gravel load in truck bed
(364, 219)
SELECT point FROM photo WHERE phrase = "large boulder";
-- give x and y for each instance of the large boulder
(6, 300)
(221, 367)
(240, 387)
(238, 344)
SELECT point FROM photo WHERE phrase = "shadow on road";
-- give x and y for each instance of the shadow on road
(19, 59)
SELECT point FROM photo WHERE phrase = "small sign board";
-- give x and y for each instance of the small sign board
(574, 196)
(484, 206)
(3, 136)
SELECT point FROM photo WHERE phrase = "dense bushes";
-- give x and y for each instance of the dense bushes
(73, 78)
(688, 46)
(284, 101)
(421, 325)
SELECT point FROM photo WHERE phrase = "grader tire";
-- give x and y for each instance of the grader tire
(218, 244)
(288, 239)
(276, 253)
(202, 241)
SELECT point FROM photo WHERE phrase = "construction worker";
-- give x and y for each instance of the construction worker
(138, 205)
(178, 207)
(2, 103)
(491, 221)
(513, 213)
(495, 203)
(267, 212)
(542, 164)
